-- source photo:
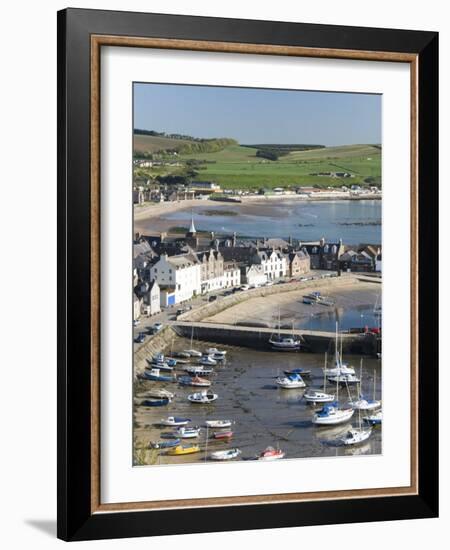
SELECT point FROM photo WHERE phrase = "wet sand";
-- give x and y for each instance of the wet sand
(358, 296)
(263, 413)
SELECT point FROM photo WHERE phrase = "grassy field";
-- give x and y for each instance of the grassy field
(151, 144)
(237, 167)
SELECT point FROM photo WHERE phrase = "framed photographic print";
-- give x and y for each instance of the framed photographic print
(247, 274)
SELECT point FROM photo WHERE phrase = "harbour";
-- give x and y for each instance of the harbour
(262, 413)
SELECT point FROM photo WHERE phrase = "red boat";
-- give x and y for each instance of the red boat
(271, 454)
(227, 434)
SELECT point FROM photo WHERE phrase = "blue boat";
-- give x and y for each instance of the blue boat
(165, 444)
(301, 372)
(156, 377)
(155, 402)
(161, 366)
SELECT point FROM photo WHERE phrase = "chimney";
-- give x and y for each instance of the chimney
(234, 238)
(290, 240)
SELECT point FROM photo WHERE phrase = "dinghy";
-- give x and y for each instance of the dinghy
(165, 444)
(354, 436)
(291, 382)
(155, 376)
(216, 354)
(225, 434)
(374, 419)
(193, 352)
(218, 423)
(194, 381)
(207, 360)
(271, 454)
(203, 397)
(155, 402)
(181, 450)
(174, 421)
(229, 454)
(188, 433)
(160, 393)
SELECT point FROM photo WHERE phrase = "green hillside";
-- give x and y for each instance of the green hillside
(238, 167)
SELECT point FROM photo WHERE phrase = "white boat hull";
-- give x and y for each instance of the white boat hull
(336, 418)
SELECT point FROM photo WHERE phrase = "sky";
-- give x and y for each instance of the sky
(258, 115)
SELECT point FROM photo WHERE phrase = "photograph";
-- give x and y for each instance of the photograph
(256, 284)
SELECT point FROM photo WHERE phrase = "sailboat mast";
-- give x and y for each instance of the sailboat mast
(325, 374)
(360, 377)
(374, 382)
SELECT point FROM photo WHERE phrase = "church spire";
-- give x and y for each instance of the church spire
(192, 228)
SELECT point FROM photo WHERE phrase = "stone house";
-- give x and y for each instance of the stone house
(299, 263)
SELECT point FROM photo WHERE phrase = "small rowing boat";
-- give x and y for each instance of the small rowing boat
(271, 454)
(160, 394)
(218, 423)
(203, 397)
(155, 376)
(155, 402)
(229, 454)
(198, 370)
(193, 352)
(187, 433)
(194, 381)
(174, 421)
(165, 444)
(225, 434)
(181, 450)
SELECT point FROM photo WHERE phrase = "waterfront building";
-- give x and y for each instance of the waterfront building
(323, 254)
(253, 275)
(299, 263)
(232, 275)
(273, 262)
(352, 260)
(180, 274)
(137, 302)
(150, 295)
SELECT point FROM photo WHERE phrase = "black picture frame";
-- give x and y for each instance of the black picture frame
(75, 519)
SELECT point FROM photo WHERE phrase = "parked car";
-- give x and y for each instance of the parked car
(212, 298)
(136, 322)
(245, 287)
(140, 338)
(157, 327)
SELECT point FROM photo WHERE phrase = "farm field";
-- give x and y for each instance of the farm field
(238, 167)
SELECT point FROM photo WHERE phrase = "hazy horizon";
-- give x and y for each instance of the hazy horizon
(259, 116)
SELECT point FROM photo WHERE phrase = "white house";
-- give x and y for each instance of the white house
(273, 262)
(378, 263)
(180, 274)
(253, 275)
(136, 307)
(152, 299)
(232, 275)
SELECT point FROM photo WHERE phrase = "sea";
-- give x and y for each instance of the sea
(353, 221)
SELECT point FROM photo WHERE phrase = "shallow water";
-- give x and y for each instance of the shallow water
(263, 413)
(353, 221)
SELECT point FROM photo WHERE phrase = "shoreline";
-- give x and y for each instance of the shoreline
(153, 210)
